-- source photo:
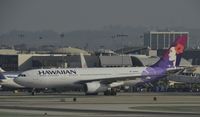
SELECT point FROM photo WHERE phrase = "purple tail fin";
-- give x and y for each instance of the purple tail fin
(172, 57)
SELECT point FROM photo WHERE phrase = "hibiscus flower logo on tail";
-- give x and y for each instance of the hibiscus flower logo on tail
(176, 50)
(180, 46)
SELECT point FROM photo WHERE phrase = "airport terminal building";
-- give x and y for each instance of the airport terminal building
(162, 40)
(11, 60)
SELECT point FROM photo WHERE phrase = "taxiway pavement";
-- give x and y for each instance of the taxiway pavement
(122, 105)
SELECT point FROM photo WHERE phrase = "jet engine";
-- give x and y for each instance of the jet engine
(95, 87)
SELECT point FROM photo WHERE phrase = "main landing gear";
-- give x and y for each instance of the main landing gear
(34, 91)
(110, 92)
(91, 93)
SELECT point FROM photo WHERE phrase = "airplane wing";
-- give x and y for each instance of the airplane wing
(115, 79)
(171, 71)
(108, 80)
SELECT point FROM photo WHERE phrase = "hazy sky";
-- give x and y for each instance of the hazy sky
(66, 15)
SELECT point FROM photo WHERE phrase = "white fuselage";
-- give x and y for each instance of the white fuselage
(49, 78)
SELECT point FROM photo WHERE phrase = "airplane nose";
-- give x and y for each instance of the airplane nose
(20, 81)
(16, 79)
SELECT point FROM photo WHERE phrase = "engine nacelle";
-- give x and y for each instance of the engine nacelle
(116, 84)
(95, 87)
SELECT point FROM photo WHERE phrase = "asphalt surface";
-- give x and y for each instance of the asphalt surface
(122, 105)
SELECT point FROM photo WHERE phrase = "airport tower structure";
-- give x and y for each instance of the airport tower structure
(156, 40)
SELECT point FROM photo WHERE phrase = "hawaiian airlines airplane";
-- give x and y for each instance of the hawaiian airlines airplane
(97, 80)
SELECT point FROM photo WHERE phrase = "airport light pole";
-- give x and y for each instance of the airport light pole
(121, 36)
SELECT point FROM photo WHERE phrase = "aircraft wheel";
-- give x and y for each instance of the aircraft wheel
(113, 93)
(33, 93)
(106, 93)
(91, 93)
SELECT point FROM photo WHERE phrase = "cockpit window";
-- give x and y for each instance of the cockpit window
(22, 75)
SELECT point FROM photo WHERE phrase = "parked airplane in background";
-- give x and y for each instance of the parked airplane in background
(7, 79)
(189, 75)
(105, 79)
